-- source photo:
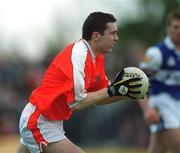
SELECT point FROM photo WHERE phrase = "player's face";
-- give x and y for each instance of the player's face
(173, 30)
(108, 39)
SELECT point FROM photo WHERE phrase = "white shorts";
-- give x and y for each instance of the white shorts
(169, 109)
(36, 130)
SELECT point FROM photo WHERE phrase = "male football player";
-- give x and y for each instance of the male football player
(162, 108)
(74, 80)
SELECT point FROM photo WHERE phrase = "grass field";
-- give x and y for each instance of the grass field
(8, 144)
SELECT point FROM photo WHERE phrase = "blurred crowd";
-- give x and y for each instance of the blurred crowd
(17, 80)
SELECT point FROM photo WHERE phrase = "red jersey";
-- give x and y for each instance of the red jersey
(73, 73)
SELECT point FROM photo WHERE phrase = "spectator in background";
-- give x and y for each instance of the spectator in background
(162, 107)
(75, 80)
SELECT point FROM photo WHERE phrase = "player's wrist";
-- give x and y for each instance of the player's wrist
(111, 91)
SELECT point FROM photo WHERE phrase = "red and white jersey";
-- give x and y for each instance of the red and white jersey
(73, 73)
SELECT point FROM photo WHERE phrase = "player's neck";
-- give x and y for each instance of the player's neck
(93, 46)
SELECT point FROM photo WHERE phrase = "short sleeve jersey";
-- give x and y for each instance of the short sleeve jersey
(73, 73)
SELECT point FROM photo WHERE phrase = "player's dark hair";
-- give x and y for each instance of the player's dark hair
(96, 22)
(174, 15)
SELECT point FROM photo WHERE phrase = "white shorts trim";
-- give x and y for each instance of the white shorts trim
(168, 110)
(51, 131)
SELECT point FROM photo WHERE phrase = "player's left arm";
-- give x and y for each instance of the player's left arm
(99, 97)
(110, 94)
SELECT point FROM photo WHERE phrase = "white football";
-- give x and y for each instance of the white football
(134, 72)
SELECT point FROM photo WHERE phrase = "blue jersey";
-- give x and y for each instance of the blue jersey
(167, 78)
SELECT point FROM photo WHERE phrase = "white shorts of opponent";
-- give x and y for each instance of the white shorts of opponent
(46, 131)
(169, 110)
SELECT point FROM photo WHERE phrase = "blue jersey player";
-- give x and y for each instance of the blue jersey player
(162, 108)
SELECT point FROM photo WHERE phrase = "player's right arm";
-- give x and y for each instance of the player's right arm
(150, 64)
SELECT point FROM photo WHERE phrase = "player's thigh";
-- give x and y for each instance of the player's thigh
(22, 149)
(156, 144)
(63, 146)
(171, 137)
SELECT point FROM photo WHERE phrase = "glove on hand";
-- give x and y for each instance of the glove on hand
(126, 88)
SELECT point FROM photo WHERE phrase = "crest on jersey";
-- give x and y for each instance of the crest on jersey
(171, 61)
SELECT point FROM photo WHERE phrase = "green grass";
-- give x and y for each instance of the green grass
(114, 150)
(9, 144)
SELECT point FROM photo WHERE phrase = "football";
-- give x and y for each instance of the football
(134, 72)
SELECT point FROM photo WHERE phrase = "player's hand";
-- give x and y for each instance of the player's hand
(151, 115)
(126, 88)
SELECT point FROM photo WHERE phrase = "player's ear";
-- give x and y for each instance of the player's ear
(95, 35)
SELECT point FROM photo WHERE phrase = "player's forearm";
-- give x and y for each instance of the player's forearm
(100, 97)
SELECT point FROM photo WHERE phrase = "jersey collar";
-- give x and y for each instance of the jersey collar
(90, 49)
(169, 43)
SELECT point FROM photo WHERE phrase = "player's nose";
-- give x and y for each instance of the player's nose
(116, 38)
